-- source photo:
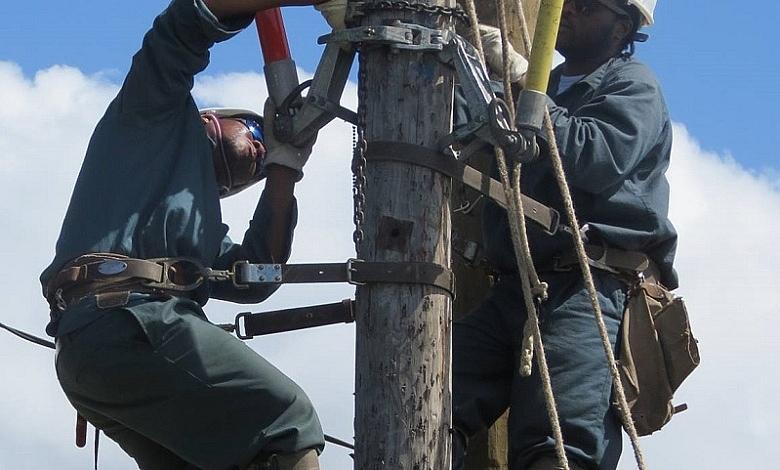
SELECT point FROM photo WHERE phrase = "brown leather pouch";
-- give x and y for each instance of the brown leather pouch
(657, 352)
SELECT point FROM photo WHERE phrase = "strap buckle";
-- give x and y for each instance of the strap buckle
(351, 270)
(178, 274)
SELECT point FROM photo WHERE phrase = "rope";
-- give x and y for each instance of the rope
(625, 413)
(505, 46)
(532, 341)
(560, 176)
(532, 335)
(471, 10)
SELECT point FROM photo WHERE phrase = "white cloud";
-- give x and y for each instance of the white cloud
(727, 218)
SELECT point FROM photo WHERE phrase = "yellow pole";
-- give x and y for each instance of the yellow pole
(546, 34)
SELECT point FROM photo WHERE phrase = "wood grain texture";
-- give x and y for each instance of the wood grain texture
(402, 383)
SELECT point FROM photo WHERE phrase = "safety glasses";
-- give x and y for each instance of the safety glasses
(586, 7)
(255, 128)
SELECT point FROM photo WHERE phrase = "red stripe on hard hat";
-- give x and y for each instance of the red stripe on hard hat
(273, 37)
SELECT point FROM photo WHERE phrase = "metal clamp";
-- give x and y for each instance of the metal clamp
(398, 35)
(245, 273)
(490, 120)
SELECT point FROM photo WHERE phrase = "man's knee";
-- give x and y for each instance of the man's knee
(550, 462)
(306, 459)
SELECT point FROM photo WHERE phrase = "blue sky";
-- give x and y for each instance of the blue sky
(713, 58)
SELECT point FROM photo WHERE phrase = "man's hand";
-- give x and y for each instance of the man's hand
(491, 43)
(334, 12)
(278, 153)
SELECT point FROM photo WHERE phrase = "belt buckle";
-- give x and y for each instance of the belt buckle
(556, 266)
(351, 270)
(61, 304)
(168, 283)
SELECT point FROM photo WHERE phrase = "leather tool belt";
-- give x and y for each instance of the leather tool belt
(631, 264)
(111, 277)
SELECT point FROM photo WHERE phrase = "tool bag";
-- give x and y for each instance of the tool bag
(657, 352)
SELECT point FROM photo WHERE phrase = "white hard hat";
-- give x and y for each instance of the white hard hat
(646, 8)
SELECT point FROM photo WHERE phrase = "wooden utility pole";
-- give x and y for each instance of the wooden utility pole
(487, 450)
(402, 384)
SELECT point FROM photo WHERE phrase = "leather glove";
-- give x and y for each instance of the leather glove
(334, 12)
(491, 43)
(279, 153)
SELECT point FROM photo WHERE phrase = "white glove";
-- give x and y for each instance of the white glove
(278, 153)
(491, 43)
(334, 12)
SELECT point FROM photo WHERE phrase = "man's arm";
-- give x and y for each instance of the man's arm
(177, 48)
(269, 237)
(279, 188)
(267, 240)
(604, 140)
(225, 9)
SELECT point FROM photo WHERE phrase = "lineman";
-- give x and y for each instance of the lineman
(144, 365)
(614, 134)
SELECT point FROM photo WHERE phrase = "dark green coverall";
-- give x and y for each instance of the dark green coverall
(615, 138)
(172, 389)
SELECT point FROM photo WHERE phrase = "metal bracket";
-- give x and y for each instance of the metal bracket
(397, 35)
(301, 118)
(490, 120)
(251, 273)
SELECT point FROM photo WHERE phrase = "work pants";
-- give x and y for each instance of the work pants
(486, 350)
(177, 392)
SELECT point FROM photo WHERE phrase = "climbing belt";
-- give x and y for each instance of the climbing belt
(532, 340)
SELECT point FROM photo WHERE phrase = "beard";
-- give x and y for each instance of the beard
(579, 46)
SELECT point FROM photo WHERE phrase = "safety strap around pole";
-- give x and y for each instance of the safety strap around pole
(354, 271)
(248, 325)
(547, 217)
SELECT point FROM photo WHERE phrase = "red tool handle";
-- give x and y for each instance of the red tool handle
(273, 37)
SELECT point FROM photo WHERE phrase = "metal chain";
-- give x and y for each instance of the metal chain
(404, 5)
(359, 143)
(359, 158)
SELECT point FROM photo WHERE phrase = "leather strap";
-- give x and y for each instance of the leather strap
(111, 277)
(104, 266)
(353, 271)
(607, 259)
(547, 217)
(248, 325)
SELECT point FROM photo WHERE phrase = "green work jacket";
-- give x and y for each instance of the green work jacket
(615, 138)
(147, 187)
